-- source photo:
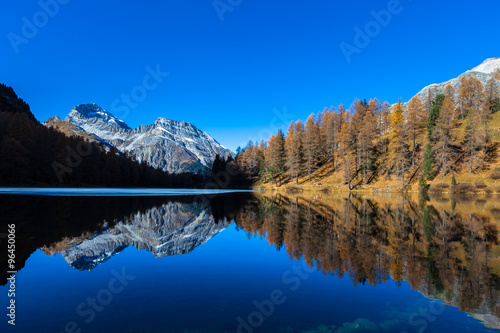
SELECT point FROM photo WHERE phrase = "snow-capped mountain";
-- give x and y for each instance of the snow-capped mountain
(73, 130)
(482, 72)
(167, 144)
(173, 229)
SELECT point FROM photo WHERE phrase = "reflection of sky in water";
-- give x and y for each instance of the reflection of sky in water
(209, 288)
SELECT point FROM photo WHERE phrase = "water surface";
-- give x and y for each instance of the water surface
(242, 263)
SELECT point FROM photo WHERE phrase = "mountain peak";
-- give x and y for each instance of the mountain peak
(173, 146)
(483, 73)
(55, 119)
(170, 122)
(89, 111)
(488, 66)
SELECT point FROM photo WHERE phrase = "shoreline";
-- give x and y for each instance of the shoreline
(367, 189)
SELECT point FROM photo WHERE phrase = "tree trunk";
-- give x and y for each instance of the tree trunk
(470, 164)
(413, 152)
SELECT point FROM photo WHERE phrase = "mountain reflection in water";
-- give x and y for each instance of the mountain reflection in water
(88, 231)
(446, 248)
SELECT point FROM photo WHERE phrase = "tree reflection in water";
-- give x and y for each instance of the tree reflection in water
(445, 247)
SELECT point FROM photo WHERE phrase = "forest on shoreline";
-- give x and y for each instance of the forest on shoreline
(447, 141)
(35, 155)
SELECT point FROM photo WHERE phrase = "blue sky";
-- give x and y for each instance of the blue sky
(243, 77)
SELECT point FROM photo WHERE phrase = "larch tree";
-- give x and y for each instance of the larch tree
(263, 167)
(449, 91)
(345, 153)
(341, 111)
(366, 136)
(332, 123)
(472, 139)
(311, 143)
(358, 111)
(251, 157)
(484, 113)
(275, 156)
(417, 120)
(397, 145)
(243, 157)
(474, 102)
(321, 127)
(492, 94)
(471, 95)
(373, 107)
(293, 149)
(429, 100)
(443, 134)
(384, 123)
(491, 88)
(384, 110)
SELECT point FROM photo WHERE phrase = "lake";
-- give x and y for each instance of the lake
(250, 262)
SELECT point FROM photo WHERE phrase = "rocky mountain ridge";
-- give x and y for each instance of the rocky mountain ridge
(483, 73)
(170, 145)
(172, 229)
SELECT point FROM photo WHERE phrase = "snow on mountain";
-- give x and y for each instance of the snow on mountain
(97, 121)
(482, 72)
(96, 115)
(173, 229)
(73, 130)
(168, 144)
(488, 66)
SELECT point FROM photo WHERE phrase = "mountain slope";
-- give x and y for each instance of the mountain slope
(482, 72)
(167, 144)
(471, 156)
(173, 229)
(10, 102)
(36, 155)
(72, 130)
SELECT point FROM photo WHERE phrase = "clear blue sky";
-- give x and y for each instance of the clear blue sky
(227, 76)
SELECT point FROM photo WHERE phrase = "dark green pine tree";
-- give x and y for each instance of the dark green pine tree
(433, 115)
(427, 172)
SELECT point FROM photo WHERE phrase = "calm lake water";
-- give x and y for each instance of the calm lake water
(243, 262)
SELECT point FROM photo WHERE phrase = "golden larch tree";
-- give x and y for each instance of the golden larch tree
(311, 143)
(366, 136)
(293, 149)
(449, 91)
(344, 151)
(398, 147)
(332, 123)
(471, 95)
(417, 120)
(444, 136)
